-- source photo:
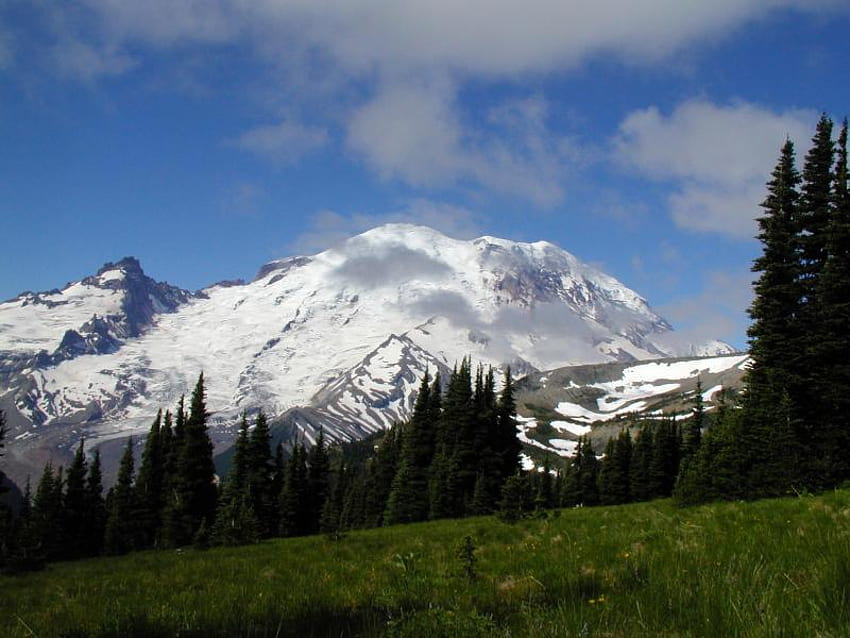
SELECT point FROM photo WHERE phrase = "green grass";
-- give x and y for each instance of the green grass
(771, 568)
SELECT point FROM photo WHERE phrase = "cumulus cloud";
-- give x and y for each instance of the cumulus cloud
(388, 264)
(409, 58)
(451, 305)
(475, 37)
(86, 62)
(415, 133)
(717, 156)
(717, 311)
(328, 228)
(286, 141)
(243, 199)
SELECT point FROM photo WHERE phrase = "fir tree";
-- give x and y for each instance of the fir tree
(120, 504)
(294, 504)
(664, 465)
(614, 481)
(194, 492)
(330, 521)
(379, 474)
(544, 497)
(47, 513)
(692, 434)
(832, 369)
(585, 470)
(408, 498)
(640, 464)
(3, 488)
(6, 517)
(512, 505)
(150, 486)
(236, 520)
(318, 482)
(261, 479)
(815, 209)
(777, 329)
(74, 506)
(816, 206)
(95, 508)
(507, 444)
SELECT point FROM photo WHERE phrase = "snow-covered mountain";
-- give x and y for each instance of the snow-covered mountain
(338, 339)
(558, 406)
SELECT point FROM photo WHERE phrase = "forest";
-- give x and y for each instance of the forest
(458, 455)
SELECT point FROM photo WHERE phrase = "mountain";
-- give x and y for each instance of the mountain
(338, 339)
(557, 406)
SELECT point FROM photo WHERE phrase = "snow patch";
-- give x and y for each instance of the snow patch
(572, 428)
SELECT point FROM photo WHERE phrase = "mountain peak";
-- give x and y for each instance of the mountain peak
(346, 332)
(127, 264)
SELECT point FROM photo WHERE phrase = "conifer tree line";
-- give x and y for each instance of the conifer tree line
(450, 459)
(791, 432)
(643, 462)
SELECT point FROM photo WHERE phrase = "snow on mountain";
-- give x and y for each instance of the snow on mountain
(580, 399)
(346, 332)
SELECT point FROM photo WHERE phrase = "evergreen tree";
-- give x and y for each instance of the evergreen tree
(459, 428)
(614, 480)
(774, 313)
(816, 199)
(150, 486)
(664, 465)
(261, 477)
(47, 514)
(584, 479)
(641, 462)
(3, 488)
(379, 474)
(544, 497)
(318, 482)
(120, 505)
(6, 517)
(507, 445)
(294, 503)
(194, 491)
(816, 207)
(74, 505)
(95, 508)
(832, 369)
(720, 466)
(512, 505)
(692, 434)
(408, 498)
(236, 520)
(777, 332)
(330, 521)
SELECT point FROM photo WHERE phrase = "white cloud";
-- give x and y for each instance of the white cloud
(80, 60)
(285, 141)
(411, 57)
(718, 311)
(328, 228)
(718, 157)
(416, 134)
(243, 199)
(475, 36)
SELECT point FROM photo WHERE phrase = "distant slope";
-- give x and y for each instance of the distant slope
(558, 406)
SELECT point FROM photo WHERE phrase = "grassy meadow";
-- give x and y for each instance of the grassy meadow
(770, 568)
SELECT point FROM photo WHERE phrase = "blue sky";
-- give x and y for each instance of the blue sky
(206, 138)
